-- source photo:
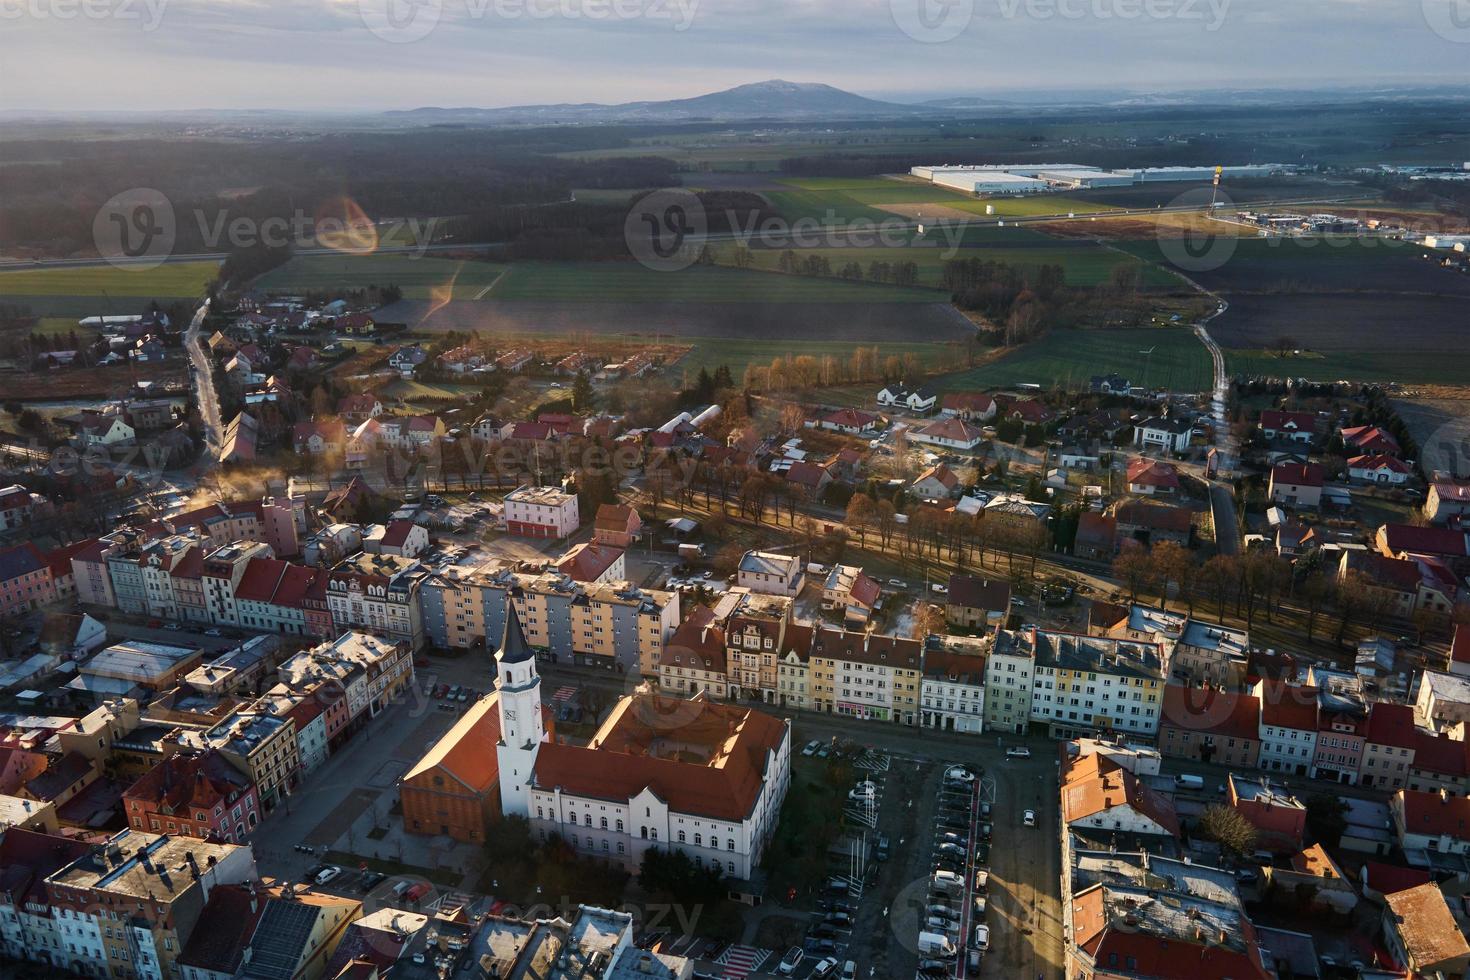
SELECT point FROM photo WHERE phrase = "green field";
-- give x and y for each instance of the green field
(629, 282)
(1085, 265)
(852, 198)
(736, 353)
(424, 391)
(419, 278)
(1069, 358)
(104, 289)
(1027, 207)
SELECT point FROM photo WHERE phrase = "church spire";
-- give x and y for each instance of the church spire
(513, 646)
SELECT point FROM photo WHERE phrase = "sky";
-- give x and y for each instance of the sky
(77, 55)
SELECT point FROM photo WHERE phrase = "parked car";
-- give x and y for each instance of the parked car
(1029, 818)
(840, 919)
(982, 938)
(329, 873)
(825, 967)
(1018, 752)
(172, 627)
(811, 747)
(959, 774)
(898, 583)
(982, 880)
(980, 906)
(849, 970)
(370, 881)
(213, 632)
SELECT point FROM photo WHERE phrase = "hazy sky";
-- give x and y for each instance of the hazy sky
(314, 54)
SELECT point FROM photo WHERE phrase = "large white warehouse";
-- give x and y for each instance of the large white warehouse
(1036, 178)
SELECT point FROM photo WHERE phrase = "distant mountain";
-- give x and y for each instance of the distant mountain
(774, 99)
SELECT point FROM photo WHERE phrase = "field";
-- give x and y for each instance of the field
(104, 289)
(879, 198)
(424, 391)
(1085, 263)
(1069, 358)
(736, 354)
(1361, 310)
(419, 278)
(629, 282)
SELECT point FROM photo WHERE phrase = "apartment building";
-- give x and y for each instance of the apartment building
(261, 745)
(693, 660)
(224, 569)
(862, 675)
(755, 635)
(378, 594)
(1009, 670)
(1388, 746)
(195, 794)
(25, 579)
(952, 693)
(1088, 685)
(771, 574)
(1288, 727)
(541, 512)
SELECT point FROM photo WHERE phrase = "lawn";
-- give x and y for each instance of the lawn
(425, 391)
(1448, 367)
(737, 353)
(1069, 358)
(418, 277)
(104, 289)
(1025, 207)
(629, 282)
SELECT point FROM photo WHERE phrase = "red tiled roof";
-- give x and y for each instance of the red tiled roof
(865, 590)
(954, 429)
(615, 517)
(60, 558)
(850, 417)
(1389, 878)
(1220, 713)
(974, 592)
(397, 532)
(186, 782)
(1284, 706)
(1378, 461)
(1399, 538)
(1371, 438)
(28, 857)
(621, 768)
(1453, 492)
(1435, 816)
(1297, 474)
(806, 474)
(967, 401)
(867, 648)
(1152, 473)
(698, 642)
(587, 561)
(1438, 754)
(1094, 784)
(1096, 530)
(297, 584)
(223, 930)
(1156, 517)
(1391, 724)
(261, 577)
(939, 472)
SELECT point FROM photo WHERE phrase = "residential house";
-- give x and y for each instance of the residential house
(854, 593)
(1152, 477)
(1296, 485)
(694, 659)
(316, 438)
(16, 505)
(1370, 439)
(1431, 822)
(362, 405)
(401, 538)
(771, 574)
(1446, 501)
(1109, 384)
(94, 429)
(1422, 935)
(405, 359)
(810, 477)
(1099, 794)
(1280, 818)
(1149, 524)
(972, 406)
(975, 603)
(952, 692)
(593, 563)
(1380, 469)
(1298, 427)
(196, 794)
(1096, 538)
(850, 421)
(1441, 699)
(1288, 727)
(938, 482)
(920, 401)
(1388, 746)
(1162, 435)
(949, 433)
(616, 525)
(25, 579)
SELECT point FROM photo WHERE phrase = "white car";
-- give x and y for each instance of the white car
(1018, 752)
(824, 967)
(861, 795)
(1029, 818)
(790, 961)
(982, 938)
(326, 874)
(959, 774)
(898, 583)
(811, 747)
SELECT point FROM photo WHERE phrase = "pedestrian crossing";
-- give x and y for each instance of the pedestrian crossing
(741, 961)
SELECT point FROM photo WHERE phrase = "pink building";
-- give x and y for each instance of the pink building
(25, 579)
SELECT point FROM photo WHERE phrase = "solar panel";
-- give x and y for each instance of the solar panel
(279, 939)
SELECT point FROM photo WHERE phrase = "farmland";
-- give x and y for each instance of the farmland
(1069, 358)
(419, 278)
(879, 198)
(629, 282)
(103, 289)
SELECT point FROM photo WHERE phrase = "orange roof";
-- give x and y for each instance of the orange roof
(698, 642)
(1315, 862)
(616, 517)
(588, 561)
(635, 750)
(467, 752)
(1435, 816)
(1095, 784)
(1426, 926)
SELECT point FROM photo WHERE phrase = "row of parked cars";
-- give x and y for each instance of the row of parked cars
(959, 879)
(450, 694)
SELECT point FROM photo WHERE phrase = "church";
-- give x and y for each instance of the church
(702, 777)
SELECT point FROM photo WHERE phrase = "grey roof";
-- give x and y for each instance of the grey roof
(513, 646)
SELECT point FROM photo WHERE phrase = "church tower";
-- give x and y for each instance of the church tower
(520, 715)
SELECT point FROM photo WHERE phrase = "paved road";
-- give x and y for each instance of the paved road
(1222, 511)
(203, 382)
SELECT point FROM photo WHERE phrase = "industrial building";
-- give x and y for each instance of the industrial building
(1005, 180)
